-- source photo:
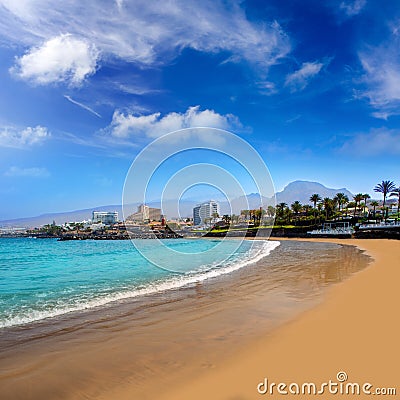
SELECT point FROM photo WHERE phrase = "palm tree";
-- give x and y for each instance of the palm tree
(253, 215)
(215, 215)
(287, 215)
(385, 187)
(345, 201)
(315, 198)
(340, 198)
(280, 208)
(366, 196)
(374, 204)
(319, 207)
(357, 199)
(245, 213)
(307, 208)
(258, 215)
(328, 206)
(296, 207)
(396, 193)
(349, 204)
(271, 211)
(226, 218)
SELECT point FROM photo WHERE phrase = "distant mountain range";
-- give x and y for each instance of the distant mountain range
(58, 218)
(302, 190)
(298, 190)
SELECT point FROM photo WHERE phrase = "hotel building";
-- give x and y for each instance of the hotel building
(204, 211)
(146, 214)
(105, 217)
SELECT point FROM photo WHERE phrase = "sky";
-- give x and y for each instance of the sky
(313, 86)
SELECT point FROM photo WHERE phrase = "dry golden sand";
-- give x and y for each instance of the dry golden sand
(356, 330)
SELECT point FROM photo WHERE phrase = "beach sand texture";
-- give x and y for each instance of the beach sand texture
(355, 329)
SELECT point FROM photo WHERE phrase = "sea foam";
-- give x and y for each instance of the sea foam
(259, 250)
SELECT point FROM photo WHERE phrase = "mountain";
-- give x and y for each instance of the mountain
(59, 218)
(298, 190)
(302, 190)
(184, 209)
(250, 201)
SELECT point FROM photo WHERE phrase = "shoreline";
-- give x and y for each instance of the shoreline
(354, 330)
(220, 348)
(160, 287)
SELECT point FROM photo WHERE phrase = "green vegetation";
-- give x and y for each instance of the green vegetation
(385, 187)
(297, 215)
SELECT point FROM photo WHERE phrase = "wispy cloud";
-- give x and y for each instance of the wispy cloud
(144, 32)
(293, 119)
(135, 89)
(33, 172)
(81, 141)
(154, 125)
(300, 79)
(380, 81)
(19, 138)
(85, 107)
(376, 142)
(352, 7)
(266, 88)
(63, 58)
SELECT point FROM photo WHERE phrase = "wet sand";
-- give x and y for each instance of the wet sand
(355, 330)
(215, 340)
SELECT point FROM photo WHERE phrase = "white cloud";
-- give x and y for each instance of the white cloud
(299, 79)
(154, 125)
(142, 31)
(11, 137)
(119, 4)
(22, 8)
(267, 88)
(85, 107)
(351, 8)
(33, 172)
(381, 78)
(377, 142)
(61, 59)
(136, 89)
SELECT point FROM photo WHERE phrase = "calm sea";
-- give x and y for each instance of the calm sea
(44, 278)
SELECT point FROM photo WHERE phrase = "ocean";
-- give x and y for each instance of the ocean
(44, 278)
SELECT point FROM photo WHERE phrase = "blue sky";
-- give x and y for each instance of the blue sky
(314, 86)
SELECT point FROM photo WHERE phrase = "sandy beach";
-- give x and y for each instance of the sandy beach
(208, 348)
(356, 330)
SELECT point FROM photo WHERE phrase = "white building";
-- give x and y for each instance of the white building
(204, 211)
(105, 217)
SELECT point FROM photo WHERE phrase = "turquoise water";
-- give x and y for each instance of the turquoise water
(43, 278)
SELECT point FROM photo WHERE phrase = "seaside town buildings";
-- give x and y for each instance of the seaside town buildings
(205, 211)
(146, 214)
(105, 217)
